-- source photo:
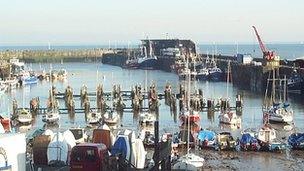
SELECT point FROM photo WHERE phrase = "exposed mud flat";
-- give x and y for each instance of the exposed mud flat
(229, 160)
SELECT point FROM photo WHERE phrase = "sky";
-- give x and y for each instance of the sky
(89, 22)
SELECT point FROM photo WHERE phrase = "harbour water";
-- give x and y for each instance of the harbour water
(91, 74)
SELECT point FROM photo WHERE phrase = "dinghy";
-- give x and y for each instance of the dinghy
(229, 118)
(206, 138)
(189, 162)
(249, 143)
(296, 141)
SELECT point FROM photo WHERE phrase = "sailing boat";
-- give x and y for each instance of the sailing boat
(267, 136)
(186, 115)
(24, 116)
(146, 117)
(280, 111)
(189, 161)
(227, 116)
(52, 115)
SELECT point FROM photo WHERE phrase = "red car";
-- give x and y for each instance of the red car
(89, 156)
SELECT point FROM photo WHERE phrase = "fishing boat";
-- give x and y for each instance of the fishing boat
(146, 61)
(296, 141)
(225, 141)
(94, 117)
(215, 73)
(24, 116)
(249, 143)
(295, 83)
(203, 74)
(267, 138)
(147, 118)
(111, 117)
(207, 138)
(29, 80)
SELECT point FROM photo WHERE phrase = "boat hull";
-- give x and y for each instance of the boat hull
(148, 64)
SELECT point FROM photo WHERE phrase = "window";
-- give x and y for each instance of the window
(90, 155)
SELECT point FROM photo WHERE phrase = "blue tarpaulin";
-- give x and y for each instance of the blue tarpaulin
(247, 138)
(206, 135)
(296, 139)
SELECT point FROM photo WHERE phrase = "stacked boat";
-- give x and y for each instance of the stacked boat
(24, 116)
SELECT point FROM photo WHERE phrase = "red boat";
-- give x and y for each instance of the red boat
(6, 123)
(185, 116)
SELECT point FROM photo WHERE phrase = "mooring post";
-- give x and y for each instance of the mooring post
(156, 145)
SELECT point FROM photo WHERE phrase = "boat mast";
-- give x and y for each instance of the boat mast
(188, 106)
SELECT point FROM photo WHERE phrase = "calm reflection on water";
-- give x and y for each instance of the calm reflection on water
(86, 74)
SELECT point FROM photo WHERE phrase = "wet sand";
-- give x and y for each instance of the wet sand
(270, 161)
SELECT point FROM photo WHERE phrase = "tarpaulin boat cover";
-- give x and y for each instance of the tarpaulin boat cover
(296, 138)
(206, 135)
(247, 138)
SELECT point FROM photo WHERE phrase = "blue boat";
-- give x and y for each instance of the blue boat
(249, 142)
(30, 80)
(296, 141)
(295, 83)
(206, 138)
(122, 147)
(215, 74)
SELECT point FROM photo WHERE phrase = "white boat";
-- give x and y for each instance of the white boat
(280, 112)
(51, 116)
(111, 117)
(94, 117)
(147, 118)
(266, 134)
(24, 116)
(62, 74)
(230, 118)
(189, 162)
(11, 82)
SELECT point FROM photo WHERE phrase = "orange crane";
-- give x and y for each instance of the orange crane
(267, 54)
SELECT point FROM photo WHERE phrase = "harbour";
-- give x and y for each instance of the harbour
(251, 114)
(151, 85)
